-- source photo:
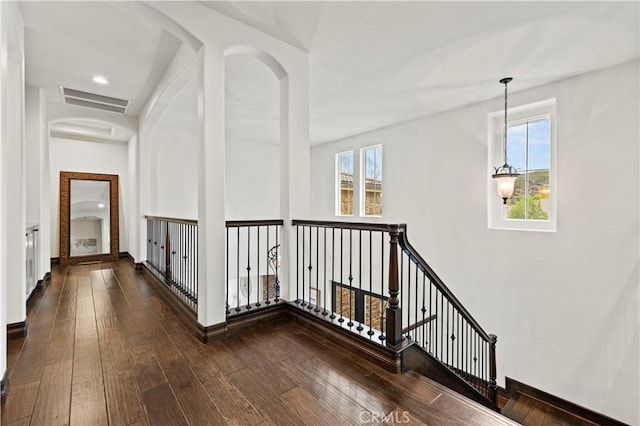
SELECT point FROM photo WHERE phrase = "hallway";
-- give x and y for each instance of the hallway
(103, 349)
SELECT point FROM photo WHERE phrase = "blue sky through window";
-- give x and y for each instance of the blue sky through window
(346, 162)
(373, 163)
(538, 145)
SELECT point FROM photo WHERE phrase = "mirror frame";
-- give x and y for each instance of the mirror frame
(65, 217)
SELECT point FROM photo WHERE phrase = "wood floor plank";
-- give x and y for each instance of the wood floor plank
(144, 364)
(162, 407)
(28, 366)
(84, 287)
(226, 361)
(127, 320)
(124, 405)
(61, 344)
(230, 400)
(197, 407)
(85, 317)
(313, 411)
(88, 403)
(113, 354)
(336, 391)
(165, 349)
(22, 422)
(54, 395)
(86, 359)
(14, 347)
(263, 399)
(19, 402)
(102, 305)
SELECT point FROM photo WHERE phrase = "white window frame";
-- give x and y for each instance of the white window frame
(362, 186)
(496, 210)
(338, 189)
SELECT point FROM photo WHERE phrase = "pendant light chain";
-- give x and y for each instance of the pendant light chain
(505, 175)
(505, 121)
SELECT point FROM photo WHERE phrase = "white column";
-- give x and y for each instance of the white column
(13, 194)
(143, 162)
(295, 167)
(211, 220)
(45, 182)
(133, 195)
(3, 220)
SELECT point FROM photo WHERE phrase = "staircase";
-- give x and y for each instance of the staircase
(530, 406)
(367, 264)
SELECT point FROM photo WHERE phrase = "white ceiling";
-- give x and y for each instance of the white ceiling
(67, 43)
(371, 64)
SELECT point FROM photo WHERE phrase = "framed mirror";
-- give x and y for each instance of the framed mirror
(89, 223)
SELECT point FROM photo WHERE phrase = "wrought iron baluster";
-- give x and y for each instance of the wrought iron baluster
(258, 292)
(359, 327)
(238, 271)
(371, 332)
(304, 249)
(317, 309)
(341, 319)
(324, 294)
(350, 323)
(333, 273)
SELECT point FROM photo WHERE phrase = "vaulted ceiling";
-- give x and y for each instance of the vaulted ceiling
(371, 64)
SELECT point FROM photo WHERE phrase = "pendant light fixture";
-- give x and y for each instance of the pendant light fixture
(505, 175)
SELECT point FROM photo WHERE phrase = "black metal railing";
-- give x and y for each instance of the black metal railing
(368, 278)
(252, 264)
(172, 250)
(437, 321)
(342, 274)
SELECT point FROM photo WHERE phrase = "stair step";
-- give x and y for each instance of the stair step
(528, 410)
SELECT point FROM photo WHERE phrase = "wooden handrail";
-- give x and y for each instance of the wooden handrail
(245, 223)
(362, 226)
(419, 324)
(172, 219)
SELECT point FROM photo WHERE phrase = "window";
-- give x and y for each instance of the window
(359, 305)
(344, 184)
(371, 182)
(530, 149)
(529, 152)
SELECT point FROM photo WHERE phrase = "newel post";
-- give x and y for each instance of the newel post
(167, 255)
(492, 369)
(394, 313)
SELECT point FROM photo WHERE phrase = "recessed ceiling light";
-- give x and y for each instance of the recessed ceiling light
(99, 79)
(101, 206)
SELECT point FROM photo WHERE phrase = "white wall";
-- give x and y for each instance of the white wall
(252, 161)
(37, 174)
(91, 157)
(564, 305)
(174, 177)
(252, 181)
(32, 154)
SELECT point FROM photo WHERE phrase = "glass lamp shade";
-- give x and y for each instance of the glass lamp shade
(505, 178)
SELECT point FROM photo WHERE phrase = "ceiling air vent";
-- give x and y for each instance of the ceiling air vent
(92, 100)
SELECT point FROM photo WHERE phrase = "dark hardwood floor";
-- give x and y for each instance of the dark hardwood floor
(103, 349)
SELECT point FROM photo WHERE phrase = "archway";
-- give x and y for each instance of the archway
(252, 135)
